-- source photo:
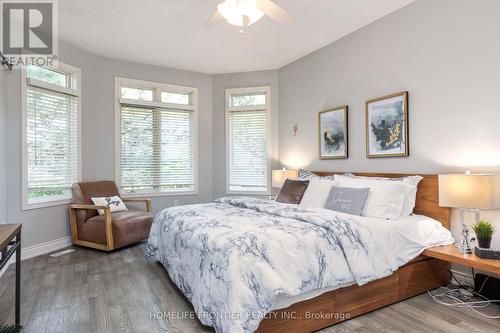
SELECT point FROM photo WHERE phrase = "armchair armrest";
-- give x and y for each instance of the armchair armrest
(83, 206)
(147, 201)
(107, 221)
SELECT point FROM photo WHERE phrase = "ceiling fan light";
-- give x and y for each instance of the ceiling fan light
(251, 10)
(235, 10)
(230, 10)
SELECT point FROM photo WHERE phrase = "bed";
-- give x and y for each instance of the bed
(249, 264)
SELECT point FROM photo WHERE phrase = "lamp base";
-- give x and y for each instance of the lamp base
(464, 245)
(464, 249)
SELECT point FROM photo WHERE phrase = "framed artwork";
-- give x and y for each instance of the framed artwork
(332, 128)
(387, 126)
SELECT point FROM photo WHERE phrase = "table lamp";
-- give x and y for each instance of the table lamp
(279, 176)
(469, 192)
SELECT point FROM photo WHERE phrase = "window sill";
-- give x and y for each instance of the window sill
(157, 194)
(250, 194)
(46, 204)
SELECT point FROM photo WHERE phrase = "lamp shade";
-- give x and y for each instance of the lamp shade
(279, 176)
(479, 191)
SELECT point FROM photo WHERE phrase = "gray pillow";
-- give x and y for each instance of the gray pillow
(347, 199)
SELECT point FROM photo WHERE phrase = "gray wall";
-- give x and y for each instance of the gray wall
(3, 145)
(238, 80)
(46, 224)
(445, 53)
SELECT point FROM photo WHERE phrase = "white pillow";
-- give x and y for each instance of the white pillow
(412, 196)
(385, 199)
(317, 192)
(114, 203)
(410, 199)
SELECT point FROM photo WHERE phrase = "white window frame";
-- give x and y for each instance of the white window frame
(74, 89)
(267, 107)
(157, 88)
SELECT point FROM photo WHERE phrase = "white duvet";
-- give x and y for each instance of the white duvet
(403, 239)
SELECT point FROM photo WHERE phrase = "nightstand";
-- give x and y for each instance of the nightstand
(9, 245)
(449, 253)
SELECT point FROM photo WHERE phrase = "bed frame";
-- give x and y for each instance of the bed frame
(421, 274)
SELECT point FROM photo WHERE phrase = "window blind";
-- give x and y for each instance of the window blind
(157, 150)
(52, 144)
(247, 147)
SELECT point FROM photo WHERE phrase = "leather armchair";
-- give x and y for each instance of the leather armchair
(111, 230)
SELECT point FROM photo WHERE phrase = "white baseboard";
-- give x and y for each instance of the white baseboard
(44, 248)
(39, 249)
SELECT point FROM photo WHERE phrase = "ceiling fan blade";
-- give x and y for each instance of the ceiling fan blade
(274, 11)
(215, 19)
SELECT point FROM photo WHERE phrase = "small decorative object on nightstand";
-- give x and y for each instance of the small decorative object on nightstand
(469, 192)
(484, 232)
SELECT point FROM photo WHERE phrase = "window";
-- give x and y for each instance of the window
(51, 134)
(248, 118)
(156, 138)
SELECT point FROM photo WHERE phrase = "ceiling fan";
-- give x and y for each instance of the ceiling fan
(244, 13)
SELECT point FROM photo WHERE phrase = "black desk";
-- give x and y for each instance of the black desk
(9, 245)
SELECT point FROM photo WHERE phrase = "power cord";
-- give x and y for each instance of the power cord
(462, 296)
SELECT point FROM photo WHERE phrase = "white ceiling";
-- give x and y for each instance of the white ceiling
(173, 33)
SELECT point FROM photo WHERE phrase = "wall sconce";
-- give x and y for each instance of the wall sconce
(295, 128)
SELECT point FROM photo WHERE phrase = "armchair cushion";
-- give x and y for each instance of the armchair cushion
(128, 227)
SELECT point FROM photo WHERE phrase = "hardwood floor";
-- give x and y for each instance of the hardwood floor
(92, 291)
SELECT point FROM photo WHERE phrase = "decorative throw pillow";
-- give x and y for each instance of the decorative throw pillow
(317, 192)
(292, 191)
(347, 199)
(306, 174)
(114, 203)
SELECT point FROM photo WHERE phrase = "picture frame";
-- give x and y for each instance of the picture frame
(387, 126)
(333, 133)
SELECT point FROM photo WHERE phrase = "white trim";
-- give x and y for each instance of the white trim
(39, 249)
(75, 88)
(53, 87)
(46, 204)
(268, 109)
(158, 194)
(157, 88)
(154, 104)
(134, 83)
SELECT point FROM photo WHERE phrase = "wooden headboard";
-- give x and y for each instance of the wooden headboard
(427, 202)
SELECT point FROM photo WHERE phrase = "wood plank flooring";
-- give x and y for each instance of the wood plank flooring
(92, 291)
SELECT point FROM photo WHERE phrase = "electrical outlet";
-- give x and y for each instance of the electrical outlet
(176, 202)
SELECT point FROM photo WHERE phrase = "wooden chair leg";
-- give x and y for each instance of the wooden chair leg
(109, 229)
(72, 225)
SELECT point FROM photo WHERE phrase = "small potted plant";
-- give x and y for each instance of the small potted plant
(484, 231)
